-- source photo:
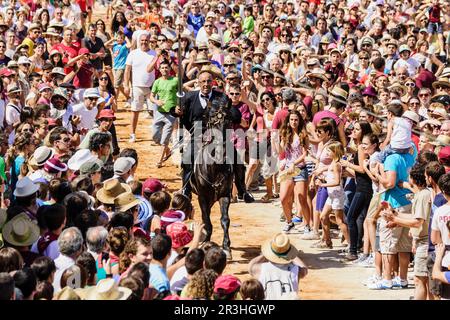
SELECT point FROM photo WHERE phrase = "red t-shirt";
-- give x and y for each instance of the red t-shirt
(83, 78)
(68, 52)
(279, 118)
(83, 5)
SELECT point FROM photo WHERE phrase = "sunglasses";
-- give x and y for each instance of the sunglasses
(441, 87)
(266, 100)
(92, 98)
(410, 84)
(227, 65)
(266, 77)
(235, 94)
(209, 26)
(65, 140)
(363, 58)
(104, 79)
(424, 95)
(284, 34)
(233, 50)
(204, 49)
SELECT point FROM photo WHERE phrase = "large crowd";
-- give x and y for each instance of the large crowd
(345, 109)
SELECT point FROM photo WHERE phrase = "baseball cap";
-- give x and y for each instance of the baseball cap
(226, 284)
(106, 114)
(404, 47)
(90, 167)
(152, 185)
(91, 93)
(444, 155)
(23, 60)
(123, 165)
(179, 234)
(83, 51)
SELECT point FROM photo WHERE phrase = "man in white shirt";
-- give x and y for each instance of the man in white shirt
(70, 244)
(405, 61)
(141, 63)
(87, 110)
(13, 110)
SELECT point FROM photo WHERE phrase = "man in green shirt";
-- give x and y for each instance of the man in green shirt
(164, 95)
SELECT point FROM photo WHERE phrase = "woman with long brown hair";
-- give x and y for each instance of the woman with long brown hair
(293, 171)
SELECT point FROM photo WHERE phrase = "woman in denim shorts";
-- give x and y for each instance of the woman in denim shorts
(292, 143)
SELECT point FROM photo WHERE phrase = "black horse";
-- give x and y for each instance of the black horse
(212, 178)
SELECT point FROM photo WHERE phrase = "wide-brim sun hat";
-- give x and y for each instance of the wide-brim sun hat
(111, 190)
(317, 73)
(79, 158)
(21, 231)
(107, 289)
(279, 249)
(126, 201)
(25, 187)
(443, 82)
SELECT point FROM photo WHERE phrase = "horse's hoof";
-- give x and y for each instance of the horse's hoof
(228, 254)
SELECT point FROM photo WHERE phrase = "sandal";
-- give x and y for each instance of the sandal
(275, 196)
(266, 198)
(159, 165)
(323, 245)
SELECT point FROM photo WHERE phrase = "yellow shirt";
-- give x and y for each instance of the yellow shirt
(30, 45)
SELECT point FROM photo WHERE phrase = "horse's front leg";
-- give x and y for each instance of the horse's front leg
(225, 222)
(206, 216)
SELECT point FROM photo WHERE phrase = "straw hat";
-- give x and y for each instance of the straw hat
(40, 156)
(51, 32)
(339, 93)
(67, 293)
(111, 190)
(441, 140)
(215, 38)
(398, 87)
(317, 73)
(279, 249)
(445, 73)
(441, 82)
(20, 231)
(107, 289)
(201, 58)
(126, 201)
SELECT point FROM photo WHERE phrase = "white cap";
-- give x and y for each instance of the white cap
(91, 93)
(23, 60)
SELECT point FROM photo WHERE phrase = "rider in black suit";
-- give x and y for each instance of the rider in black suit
(193, 107)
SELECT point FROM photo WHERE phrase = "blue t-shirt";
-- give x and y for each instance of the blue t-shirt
(439, 201)
(158, 278)
(401, 164)
(120, 53)
(196, 22)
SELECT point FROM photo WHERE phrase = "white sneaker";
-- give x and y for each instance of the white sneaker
(368, 263)
(127, 104)
(132, 138)
(399, 283)
(380, 285)
(371, 280)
